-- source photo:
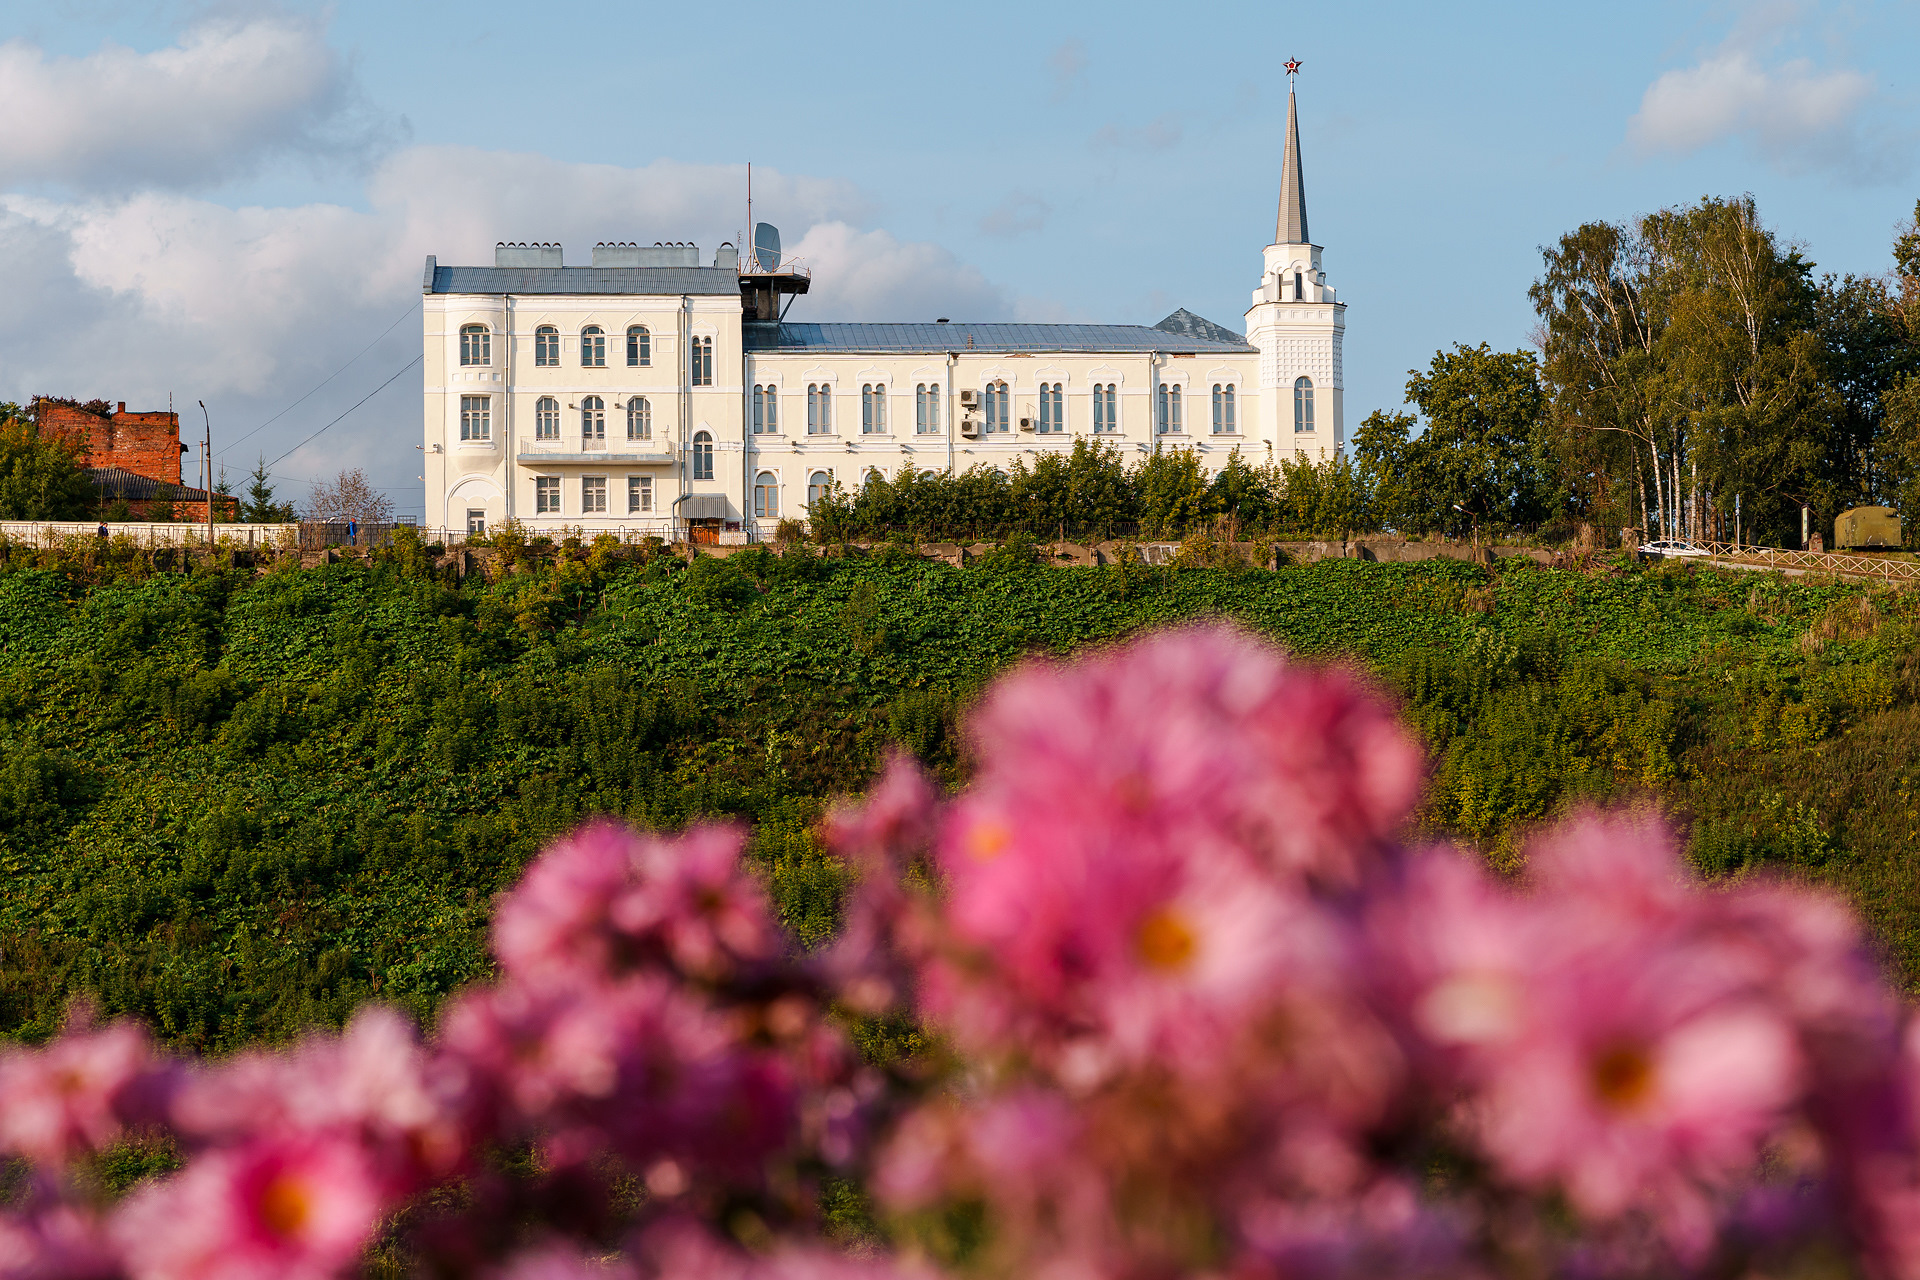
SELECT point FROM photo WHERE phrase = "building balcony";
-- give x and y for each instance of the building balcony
(534, 452)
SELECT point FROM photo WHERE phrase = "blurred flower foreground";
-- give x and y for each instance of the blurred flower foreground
(1179, 1003)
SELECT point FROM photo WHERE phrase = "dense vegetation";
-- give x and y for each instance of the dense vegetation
(238, 804)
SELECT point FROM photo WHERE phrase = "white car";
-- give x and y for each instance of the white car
(1671, 547)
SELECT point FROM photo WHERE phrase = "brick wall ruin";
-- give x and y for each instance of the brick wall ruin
(147, 444)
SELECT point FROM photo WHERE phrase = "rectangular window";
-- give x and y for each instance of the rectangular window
(546, 495)
(873, 408)
(639, 495)
(593, 348)
(593, 495)
(476, 418)
(766, 410)
(476, 345)
(819, 409)
(639, 347)
(1053, 410)
(700, 357)
(546, 347)
(1167, 409)
(926, 408)
(476, 519)
(1106, 408)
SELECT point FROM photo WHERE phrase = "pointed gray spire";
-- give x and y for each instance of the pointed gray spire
(1292, 228)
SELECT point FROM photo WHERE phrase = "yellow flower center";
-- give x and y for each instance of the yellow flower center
(1623, 1076)
(988, 840)
(286, 1205)
(1164, 940)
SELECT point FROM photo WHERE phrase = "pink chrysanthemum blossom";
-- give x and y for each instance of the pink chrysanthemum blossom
(73, 1095)
(641, 1067)
(271, 1210)
(608, 900)
(1197, 739)
(885, 932)
(374, 1080)
(559, 1262)
(55, 1242)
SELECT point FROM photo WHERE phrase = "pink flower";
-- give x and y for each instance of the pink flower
(271, 1210)
(607, 900)
(54, 1242)
(895, 818)
(74, 1094)
(558, 1262)
(1197, 738)
(373, 1081)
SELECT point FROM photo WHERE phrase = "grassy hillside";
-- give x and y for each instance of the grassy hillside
(236, 805)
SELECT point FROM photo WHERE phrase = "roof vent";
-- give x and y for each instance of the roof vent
(727, 258)
(621, 253)
(941, 320)
(526, 254)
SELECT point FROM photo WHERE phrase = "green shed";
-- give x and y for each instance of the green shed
(1867, 528)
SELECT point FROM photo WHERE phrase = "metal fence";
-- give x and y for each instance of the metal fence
(628, 534)
(1815, 561)
(53, 533)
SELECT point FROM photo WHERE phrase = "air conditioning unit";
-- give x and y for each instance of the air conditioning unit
(969, 398)
(970, 428)
(1026, 424)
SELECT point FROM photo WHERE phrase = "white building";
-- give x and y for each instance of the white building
(647, 391)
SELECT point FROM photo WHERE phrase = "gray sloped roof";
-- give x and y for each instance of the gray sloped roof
(1189, 325)
(116, 482)
(623, 281)
(941, 338)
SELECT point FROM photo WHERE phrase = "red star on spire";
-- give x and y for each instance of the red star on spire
(1292, 65)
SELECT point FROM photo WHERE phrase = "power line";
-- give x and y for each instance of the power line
(323, 382)
(362, 400)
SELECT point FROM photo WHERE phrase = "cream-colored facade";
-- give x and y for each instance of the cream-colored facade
(650, 392)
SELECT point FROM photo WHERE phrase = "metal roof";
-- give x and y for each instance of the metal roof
(940, 338)
(627, 281)
(1189, 325)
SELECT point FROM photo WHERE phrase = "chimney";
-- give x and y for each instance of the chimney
(123, 406)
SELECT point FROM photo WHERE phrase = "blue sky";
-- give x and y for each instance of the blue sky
(251, 211)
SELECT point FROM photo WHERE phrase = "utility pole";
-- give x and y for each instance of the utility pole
(207, 450)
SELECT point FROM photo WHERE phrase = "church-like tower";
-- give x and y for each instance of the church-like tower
(1297, 325)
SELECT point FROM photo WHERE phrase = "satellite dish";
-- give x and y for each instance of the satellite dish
(766, 246)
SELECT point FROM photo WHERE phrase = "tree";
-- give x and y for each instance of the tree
(260, 507)
(40, 476)
(349, 496)
(1383, 468)
(1478, 459)
(1173, 491)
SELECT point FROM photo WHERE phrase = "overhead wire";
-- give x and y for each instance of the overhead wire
(362, 400)
(323, 382)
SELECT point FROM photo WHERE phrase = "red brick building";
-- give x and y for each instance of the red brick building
(133, 457)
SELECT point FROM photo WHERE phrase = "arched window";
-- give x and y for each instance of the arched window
(926, 408)
(593, 420)
(1053, 409)
(1303, 404)
(1233, 416)
(702, 456)
(546, 347)
(1106, 408)
(546, 418)
(639, 347)
(996, 406)
(593, 347)
(766, 496)
(817, 485)
(819, 409)
(766, 409)
(639, 419)
(700, 362)
(476, 344)
(1169, 409)
(1223, 423)
(873, 408)
(873, 477)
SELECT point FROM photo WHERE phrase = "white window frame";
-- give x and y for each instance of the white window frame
(1106, 408)
(700, 361)
(639, 495)
(639, 346)
(593, 419)
(1053, 409)
(593, 347)
(476, 419)
(818, 482)
(1225, 411)
(546, 418)
(546, 495)
(1303, 406)
(639, 419)
(476, 346)
(546, 347)
(1169, 410)
(819, 408)
(996, 399)
(766, 496)
(873, 409)
(702, 455)
(593, 495)
(926, 409)
(766, 409)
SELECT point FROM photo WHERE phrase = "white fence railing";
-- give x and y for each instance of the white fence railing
(631, 534)
(51, 533)
(1818, 561)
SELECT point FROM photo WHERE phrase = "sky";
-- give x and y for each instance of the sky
(231, 203)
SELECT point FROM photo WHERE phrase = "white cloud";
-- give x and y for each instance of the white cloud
(133, 297)
(227, 96)
(1789, 111)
